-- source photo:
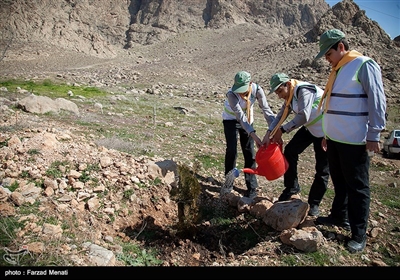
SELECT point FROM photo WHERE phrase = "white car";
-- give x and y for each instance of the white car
(391, 145)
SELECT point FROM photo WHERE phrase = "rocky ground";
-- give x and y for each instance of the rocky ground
(150, 215)
(201, 69)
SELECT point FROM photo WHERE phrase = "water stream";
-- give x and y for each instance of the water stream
(229, 179)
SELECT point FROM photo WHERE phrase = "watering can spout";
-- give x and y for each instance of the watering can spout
(250, 171)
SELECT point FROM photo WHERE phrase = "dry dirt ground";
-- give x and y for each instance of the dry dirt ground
(249, 242)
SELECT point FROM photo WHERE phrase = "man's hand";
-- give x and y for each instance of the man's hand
(256, 139)
(373, 147)
(323, 145)
(266, 140)
(277, 138)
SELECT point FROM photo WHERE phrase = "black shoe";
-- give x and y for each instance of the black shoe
(286, 195)
(314, 210)
(251, 194)
(329, 221)
(355, 247)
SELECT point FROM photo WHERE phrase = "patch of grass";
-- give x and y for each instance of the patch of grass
(211, 161)
(25, 174)
(49, 219)
(318, 258)
(388, 196)
(390, 257)
(128, 193)
(86, 174)
(381, 167)
(34, 152)
(3, 143)
(134, 255)
(329, 194)
(10, 128)
(13, 186)
(9, 241)
(26, 209)
(391, 203)
(142, 185)
(51, 88)
(55, 169)
(90, 122)
(8, 227)
(290, 260)
(156, 181)
(221, 221)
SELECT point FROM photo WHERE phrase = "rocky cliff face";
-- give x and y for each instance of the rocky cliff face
(92, 27)
(101, 28)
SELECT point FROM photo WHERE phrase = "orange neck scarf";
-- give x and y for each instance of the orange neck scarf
(349, 56)
(246, 97)
(293, 83)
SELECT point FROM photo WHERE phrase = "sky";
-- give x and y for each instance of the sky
(385, 12)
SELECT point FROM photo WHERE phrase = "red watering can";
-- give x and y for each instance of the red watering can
(271, 163)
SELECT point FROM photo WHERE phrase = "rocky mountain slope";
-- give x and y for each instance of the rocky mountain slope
(178, 53)
(102, 28)
(202, 57)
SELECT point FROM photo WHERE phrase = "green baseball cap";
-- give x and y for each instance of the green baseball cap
(242, 82)
(327, 40)
(276, 80)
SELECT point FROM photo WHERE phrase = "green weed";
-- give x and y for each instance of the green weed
(156, 181)
(134, 255)
(14, 185)
(128, 193)
(55, 170)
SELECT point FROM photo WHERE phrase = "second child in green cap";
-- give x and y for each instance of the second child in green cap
(301, 98)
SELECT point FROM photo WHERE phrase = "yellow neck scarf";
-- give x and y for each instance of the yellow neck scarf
(349, 56)
(288, 100)
(246, 97)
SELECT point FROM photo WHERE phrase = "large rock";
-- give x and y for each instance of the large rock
(43, 104)
(286, 214)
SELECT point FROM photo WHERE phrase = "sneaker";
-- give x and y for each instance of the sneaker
(286, 195)
(329, 221)
(314, 210)
(355, 247)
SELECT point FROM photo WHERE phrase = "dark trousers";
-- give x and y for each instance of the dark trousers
(232, 130)
(349, 168)
(300, 141)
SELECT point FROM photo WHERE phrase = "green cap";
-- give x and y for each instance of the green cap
(242, 82)
(276, 80)
(327, 40)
